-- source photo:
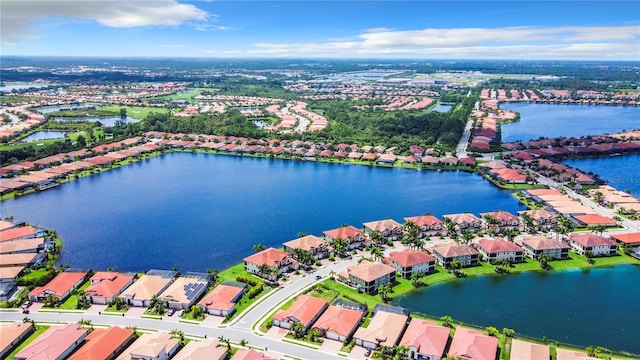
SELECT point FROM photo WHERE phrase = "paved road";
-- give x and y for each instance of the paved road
(461, 149)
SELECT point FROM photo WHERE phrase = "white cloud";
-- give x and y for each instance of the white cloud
(613, 42)
(19, 18)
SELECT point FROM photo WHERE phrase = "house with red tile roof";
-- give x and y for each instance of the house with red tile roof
(59, 287)
(385, 329)
(11, 335)
(596, 244)
(250, 354)
(208, 349)
(156, 346)
(524, 350)
(446, 254)
(504, 220)
(148, 285)
(368, 276)
(594, 220)
(409, 262)
(473, 345)
(106, 286)
(425, 339)
(338, 323)
(628, 239)
(465, 221)
(277, 260)
(304, 310)
(541, 217)
(57, 342)
(317, 247)
(21, 232)
(390, 229)
(221, 301)
(429, 225)
(566, 354)
(352, 235)
(535, 246)
(500, 249)
(103, 344)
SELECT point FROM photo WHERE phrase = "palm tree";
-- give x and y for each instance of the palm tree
(258, 247)
(598, 229)
(243, 342)
(177, 334)
(384, 292)
(447, 321)
(339, 245)
(450, 226)
(332, 273)
(376, 252)
(264, 270)
(528, 221)
(510, 234)
(376, 237)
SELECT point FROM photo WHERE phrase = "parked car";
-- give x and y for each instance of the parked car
(27, 303)
(181, 312)
(171, 312)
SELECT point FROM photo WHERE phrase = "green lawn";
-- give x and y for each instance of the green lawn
(27, 341)
(136, 112)
(72, 301)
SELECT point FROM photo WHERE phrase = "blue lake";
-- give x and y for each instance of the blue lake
(44, 135)
(199, 211)
(442, 108)
(106, 121)
(583, 308)
(50, 109)
(621, 172)
(550, 120)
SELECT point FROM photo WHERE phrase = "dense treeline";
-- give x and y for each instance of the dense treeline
(30, 152)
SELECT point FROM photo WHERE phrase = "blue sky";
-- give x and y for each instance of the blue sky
(590, 30)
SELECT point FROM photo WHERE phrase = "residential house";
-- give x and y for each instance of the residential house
(106, 286)
(595, 244)
(59, 287)
(425, 340)
(524, 350)
(541, 217)
(630, 240)
(473, 345)
(277, 261)
(465, 222)
(304, 310)
(7, 289)
(386, 326)
(209, 349)
(56, 343)
(222, 300)
(156, 346)
(352, 235)
(429, 225)
(11, 335)
(147, 286)
(594, 220)
(368, 276)
(409, 262)
(250, 354)
(21, 232)
(184, 291)
(535, 246)
(25, 246)
(503, 220)
(446, 254)
(390, 229)
(317, 247)
(500, 249)
(339, 323)
(566, 354)
(104, 344)
(10, 274)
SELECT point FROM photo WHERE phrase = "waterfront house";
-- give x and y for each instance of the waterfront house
(429, 225)
(596, 244)
(148, 285)
(446, 254)
(56, 343)
(156, 346)
(26, 259)
(104, 344)
(425, 340)
(409, 262)
(385, 328)
(535, 246)
(629, 239)
(368, 276)
(541, 217)
(208, 349)
(184, 291)
(60, 286)
(339, 323)
(465, 222)
(107, 285)
(222, 300)
(500, 249)
(250, 354)
(390, 229)
(524, 350)
(352, 235)
(317, 247)
(304, 310)
(12, 334)
(21, 232)
(24, 246)
(566, 354)
(9, 275)
(277, 261)
(594, 220)
(473, 345)
(504, 220)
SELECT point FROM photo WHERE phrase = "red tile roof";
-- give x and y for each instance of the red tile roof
(303, 310)
(340, 320)
(472, 344)
(345, 232)
(542, 243)
(60, 284)
(628, 238)
(54, 342)
(410, 257)
(590, 239)
(102, 343)
(270, 256)
(498, 246)
(16, 233)
(249, 354)
(221, 297)
(448, 251)
(107, 284)
(426, 336)
(424, 220)
(594, 219)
